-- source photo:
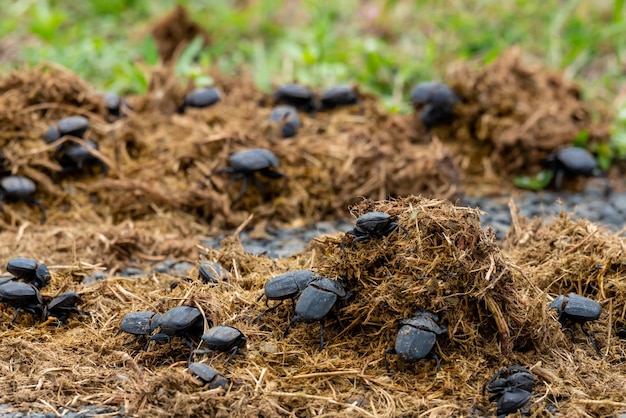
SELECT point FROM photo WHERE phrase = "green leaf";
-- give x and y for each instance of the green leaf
(537, 182)
(581, 139)
(187, 59)
(149, 51)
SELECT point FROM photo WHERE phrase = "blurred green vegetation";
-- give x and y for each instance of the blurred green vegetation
(384, 46)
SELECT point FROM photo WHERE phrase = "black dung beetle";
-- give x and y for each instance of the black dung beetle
(208, 374)
(512, 388)
(286, 286)
(73, 125)
(576, 309)
(571, 162)
(245, 164)
(286, 117)
(185, 322)
(372, 225)
(63, 305)
(316, 302)
(342, 95)
(21, 296)
(416, 338)
(296, 95)
(75, 157)
(30, 270)
(200, 98)
(139, 324)
(114, 104)
(435, 102)
(18, 188)
(223, 338)
(212, 272)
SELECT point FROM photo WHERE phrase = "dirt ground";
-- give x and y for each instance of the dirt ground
(164, 191)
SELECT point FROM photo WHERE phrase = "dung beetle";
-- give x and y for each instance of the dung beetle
(73, 125)
(576, 309)
(286, 286)
(342, 95)
(18, 188)
(512, 388)
(200, 98)
(245, 164)
(435, 102)
(296, 95)
(63, 305)
(114, 104)
(185, 322)
(372, 225)
(75, 157)
(571, 162)
(223, 338)
(21, 296)
(212, 272)
(208, 374)
(316, 302)
(30, 270)
(416, 338)
(286, 117)
(139, 324)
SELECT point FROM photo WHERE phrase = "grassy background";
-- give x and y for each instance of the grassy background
(385, 46)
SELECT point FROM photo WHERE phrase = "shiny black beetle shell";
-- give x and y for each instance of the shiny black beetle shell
(296, 95)
(63, 305)
(21, 296)
(212, 272)
(181, 320)
(435, 101)
(208, 374)
(251, 160)
(72, 125)
(30, 270)
(576, 308)
(511, 388)
(224, 338)
(140, 323)
(287, 118)
(316, 302)
(575, 161)
(342, 95)
(76, 157)
(19, 188)
(372, 225)
(288, 285)
(203, 97)
(416, 336)
(318, 298)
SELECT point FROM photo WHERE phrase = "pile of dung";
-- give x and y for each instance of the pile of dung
(578, 256)
(175, 31)
(163, 161)
(438, 259)
(512, 115)
(442, 263)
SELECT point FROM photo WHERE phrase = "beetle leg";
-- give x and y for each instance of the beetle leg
(592, 339)
(244, 188)
(258, 318)
(389, 351)
(558, 179)
(234, 352)
(259, 186)
(17, 312)
(293, 321)
(39, 203)
(435, 357)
